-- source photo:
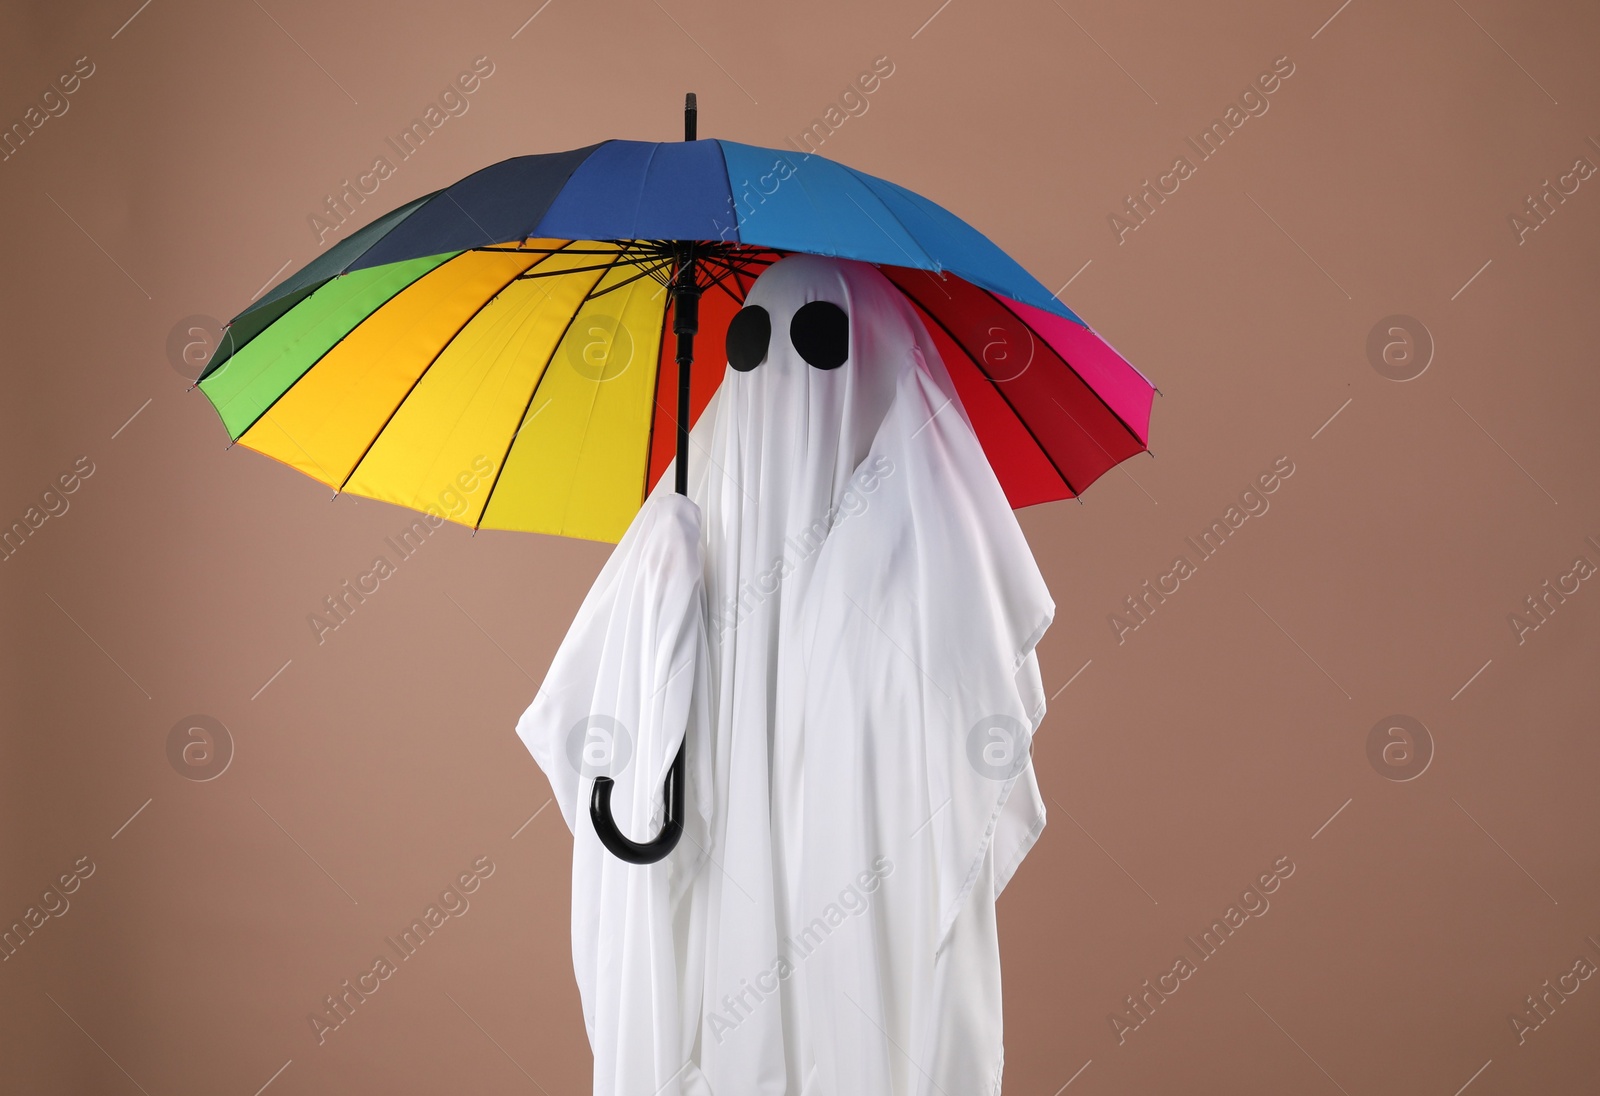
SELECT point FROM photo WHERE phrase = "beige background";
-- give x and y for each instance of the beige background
(1180, 764)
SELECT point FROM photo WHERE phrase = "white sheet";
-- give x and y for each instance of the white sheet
(867, 691)
(627, 685)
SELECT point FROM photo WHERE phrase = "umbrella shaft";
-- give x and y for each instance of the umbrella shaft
(685, 322)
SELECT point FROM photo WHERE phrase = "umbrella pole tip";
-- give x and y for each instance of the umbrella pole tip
(691, 110)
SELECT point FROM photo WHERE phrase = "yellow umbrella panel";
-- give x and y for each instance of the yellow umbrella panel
(503, 388)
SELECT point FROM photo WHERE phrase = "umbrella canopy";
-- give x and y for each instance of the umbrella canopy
(495, 352)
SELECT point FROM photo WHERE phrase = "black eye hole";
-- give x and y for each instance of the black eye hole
(749, 332)
(820, 331)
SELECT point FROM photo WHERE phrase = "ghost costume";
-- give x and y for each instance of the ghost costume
(840, 619)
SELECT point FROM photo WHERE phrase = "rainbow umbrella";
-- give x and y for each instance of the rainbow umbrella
(507, 333)
(495, 352)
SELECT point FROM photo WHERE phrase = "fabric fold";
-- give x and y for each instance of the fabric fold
(627, 685)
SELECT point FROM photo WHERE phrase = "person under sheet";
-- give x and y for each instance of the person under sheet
(841, 620)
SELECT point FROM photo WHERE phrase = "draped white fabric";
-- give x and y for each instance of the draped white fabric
(627, 685)
(861, 692)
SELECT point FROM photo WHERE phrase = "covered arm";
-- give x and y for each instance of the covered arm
(626, 687)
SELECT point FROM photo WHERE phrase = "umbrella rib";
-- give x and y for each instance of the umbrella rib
(548, 250)
(745, 253)
(543, 373)
(719, 258)
(1017, 415)
(738, 280)
(1131, 433)
(337, 342)
(648, 272)
(734, 267)
(717, 280)
(627, 251)
(376, 434)
(575, 270)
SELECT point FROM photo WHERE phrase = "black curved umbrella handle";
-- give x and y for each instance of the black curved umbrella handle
(640, 852)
